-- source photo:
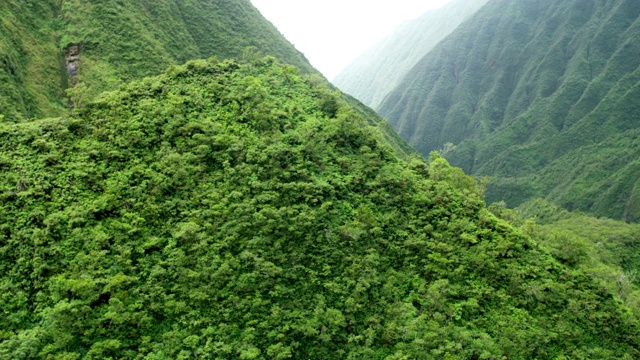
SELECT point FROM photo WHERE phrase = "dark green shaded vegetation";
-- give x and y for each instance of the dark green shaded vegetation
(227, 210)
(539, 95)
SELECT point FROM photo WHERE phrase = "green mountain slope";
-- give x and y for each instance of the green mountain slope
(31, 76)
(227, 210)
(607, 249)
(379, 70)
(616, 242)
(129, 40)
(109, 42)
(118, 41)
(539, 95)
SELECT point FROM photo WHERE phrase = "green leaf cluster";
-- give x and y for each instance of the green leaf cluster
(229, 210)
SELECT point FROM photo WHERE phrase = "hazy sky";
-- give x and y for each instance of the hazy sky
(332, 33)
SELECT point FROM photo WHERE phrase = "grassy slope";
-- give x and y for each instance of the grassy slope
(30, 63)
(120, 41)
(226, 210)
(377, 72)
(539, 95)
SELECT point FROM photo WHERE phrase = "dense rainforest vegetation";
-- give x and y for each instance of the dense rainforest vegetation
(118, 41)
(241, 207)
(31, 70)
(541, 96)
(112, 41)
(380, 69)
(607, 249)
(238, 210)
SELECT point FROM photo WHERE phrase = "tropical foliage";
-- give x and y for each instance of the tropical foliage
(118, 41)
(606, 249)
(246, 209)
(241, 210)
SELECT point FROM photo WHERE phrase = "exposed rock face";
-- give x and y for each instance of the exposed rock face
(72, 61)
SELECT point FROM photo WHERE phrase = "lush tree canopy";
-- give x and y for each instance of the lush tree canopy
(229, 210)
(118, 41)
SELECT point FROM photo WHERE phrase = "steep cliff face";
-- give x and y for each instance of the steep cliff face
(379, 70)
(72, 61)
(539, 95)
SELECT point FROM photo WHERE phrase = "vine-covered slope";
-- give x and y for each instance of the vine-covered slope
(539, 95)
(242, 211)
(380, 69)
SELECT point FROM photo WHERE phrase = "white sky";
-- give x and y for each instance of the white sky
(332, 33)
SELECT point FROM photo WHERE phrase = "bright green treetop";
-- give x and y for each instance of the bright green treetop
(225, 210)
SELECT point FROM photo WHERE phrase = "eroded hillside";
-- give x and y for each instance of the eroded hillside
(541, 96)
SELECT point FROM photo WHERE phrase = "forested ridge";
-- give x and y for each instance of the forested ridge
(238, 210)
(241, 207)
(118, 41)
(541, 96)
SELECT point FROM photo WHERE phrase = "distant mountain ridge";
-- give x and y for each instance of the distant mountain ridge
(377, 71)
(539, 95)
